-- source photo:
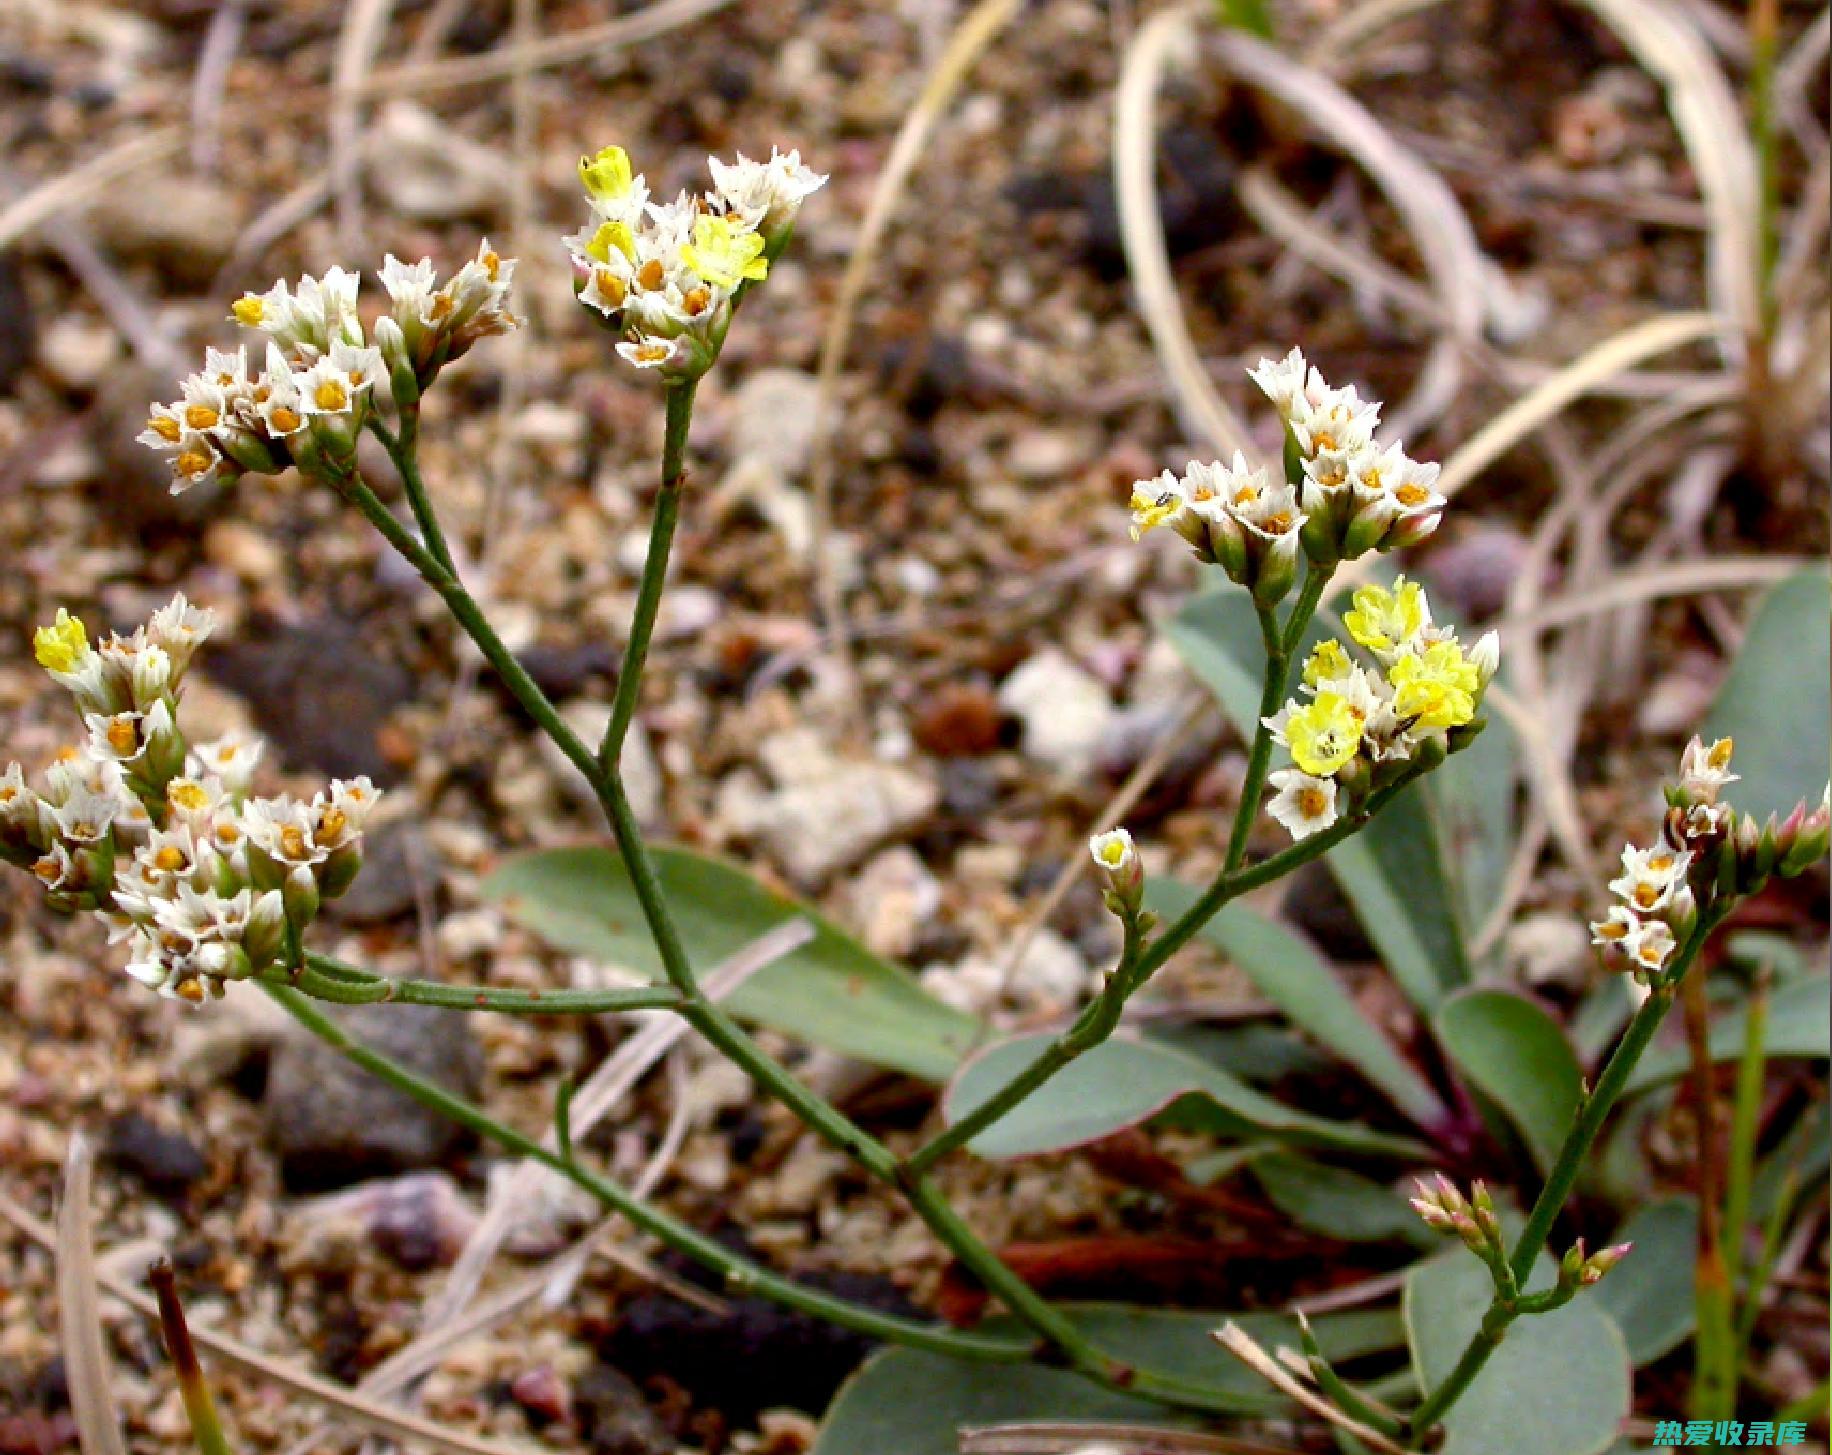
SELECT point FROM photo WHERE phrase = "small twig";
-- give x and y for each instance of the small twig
(1240, 1344)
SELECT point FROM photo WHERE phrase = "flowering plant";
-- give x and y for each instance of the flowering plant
(208, 883)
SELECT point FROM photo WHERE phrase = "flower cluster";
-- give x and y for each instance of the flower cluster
(1473, 1220)
(161, 838)
(1706, 849)
(665, 277)
(1354, 729)
(1232, 517)
(317, 378)
(1357, 494)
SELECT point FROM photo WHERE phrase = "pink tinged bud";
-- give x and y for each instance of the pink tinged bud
(1602, 1261)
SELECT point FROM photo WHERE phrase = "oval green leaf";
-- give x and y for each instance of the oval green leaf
(1799, 1025)
(1649, 1294)
(1515, 1053)
(1777, 700)
(1123, 1082)
(1557, 1385)
(1293, 976)
(832, 992)
(904, 1402)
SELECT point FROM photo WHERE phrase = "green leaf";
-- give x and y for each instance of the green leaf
(1251, 16)
(1472, 797)
(1799, 1024)
(1557, 1385)
(1338, 1203)
(904, 1402)
(1393, 871)
(1649, 1294)
(1123, 1082)
(1515, 1053)
(1777, 700)
(832, 992)
(1293, 976)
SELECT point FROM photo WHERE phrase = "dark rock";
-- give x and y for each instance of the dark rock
(614, 1417)
(18, 327)
(758, 1355)
(958, 720)
(167, 1162)
(563, 672)
(396, 857)
(1475, 569)
(318, 690)
(1317, 905)
(927, 371)
(969, 788)
(334, 1124)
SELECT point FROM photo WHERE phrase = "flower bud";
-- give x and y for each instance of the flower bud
(1117, 859)
(1602, 1261)
(1809, 839)
(403, 379)
(340, 870)
(266, 929)
(300, 896)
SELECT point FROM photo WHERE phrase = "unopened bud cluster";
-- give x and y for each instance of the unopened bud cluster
(306, 401)
(1473, 1220)
(1707, 851)
(160, 837)
(1355, 728)
(666, 276)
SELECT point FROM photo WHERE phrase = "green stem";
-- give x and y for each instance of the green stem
(193, 1388)
(654, 572)
(1551, 1201)
(1764, 42)
(330, 980)
(404, 450)
(1486, 1341)
(740, 1274)
(1602, 1099)
(1098, 1020)
(1745, 1114)
(1259, 759)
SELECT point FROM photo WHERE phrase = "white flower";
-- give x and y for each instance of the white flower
(1113, 851)
(1333, 419)
(179, 629)
(1650, 876)
(86, 817)
(327, 389)
(767, 194)
(282, 828)
(1617, 930)
(124, 737)
(1303, 804)
(1651, 946)
(232, 759)
(412, 288)
(195, 800)
(1283, 381)
(647, 351)
(1705, 771)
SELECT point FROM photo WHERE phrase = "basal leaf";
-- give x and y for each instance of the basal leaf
(1123, 1082)
(1286, 970)
(1337, 1202)
(1649, 1294)
(832, 992)
(1517, 1055)
(1799, 1024)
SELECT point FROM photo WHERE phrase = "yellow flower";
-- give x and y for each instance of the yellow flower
(1328, 663)
(61, 645)
(607, 176)
(1324, 735)
(611, 235)
(1437, 687)
(725, 253)
(1151, 511)
(249, 311)
(1383, 620)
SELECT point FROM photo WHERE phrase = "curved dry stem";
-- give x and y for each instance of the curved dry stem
(1618, 352)
(1436, 221)
(1717, 142)
(1203, 410)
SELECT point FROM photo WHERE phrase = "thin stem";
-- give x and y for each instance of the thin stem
(331, 980)
(1259, 759)
(740, 1274)
(193, 1388)
(1592, 1113)
(654, 573)
(1099, 1019)
(404, 450)
(1602, 1099)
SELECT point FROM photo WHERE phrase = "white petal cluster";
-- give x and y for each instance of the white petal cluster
(1658, 907)
(319, 374)
(1357, 494)
(666, 276)
(162, 840)
(1232, 516)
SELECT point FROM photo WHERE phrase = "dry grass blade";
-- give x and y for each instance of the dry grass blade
(1238, 1342)
(1337, 43)
(1614, 355)
(1074, 1437)
(344, 1403)
(1682, 578)
(365, 23)
(555, 50)
(1203, 411)
(221, 41)
(79, 1305)
(1710, 125)
(971, 37)
(1442, 233)
(79, 184)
